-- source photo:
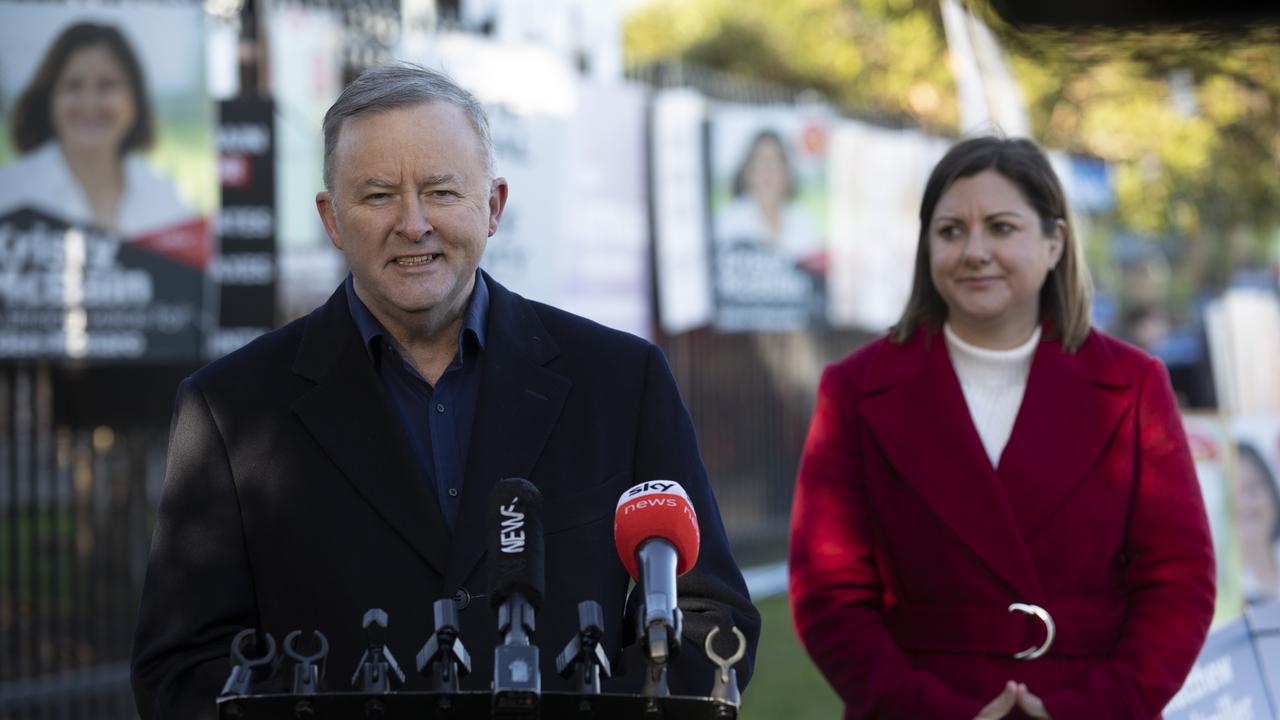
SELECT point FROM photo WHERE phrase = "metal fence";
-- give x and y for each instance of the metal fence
(751, 396)
(75, 511)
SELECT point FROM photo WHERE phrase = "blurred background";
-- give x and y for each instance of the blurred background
(736, 181)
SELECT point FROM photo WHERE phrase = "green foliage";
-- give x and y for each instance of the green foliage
(1191, 121)
(1189, 118)
(884, 57)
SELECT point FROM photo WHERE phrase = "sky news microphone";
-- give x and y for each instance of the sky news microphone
(656, 531)
(516, 576)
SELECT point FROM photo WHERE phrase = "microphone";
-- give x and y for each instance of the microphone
(516, 578)
(656, 532)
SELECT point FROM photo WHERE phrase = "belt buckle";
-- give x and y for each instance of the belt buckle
(1035, 651)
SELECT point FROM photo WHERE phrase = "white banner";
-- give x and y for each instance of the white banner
(1243, 327)
(529, 94)
(575, 232)
(680, 210)
(603, 261)
(525, 253)
(877, 178)
(988, 94)
(306, 77)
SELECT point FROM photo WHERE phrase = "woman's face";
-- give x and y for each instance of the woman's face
(92, 105)
(766, 177)
(988, 259)
(1255, 510)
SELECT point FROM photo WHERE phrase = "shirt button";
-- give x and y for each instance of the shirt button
(439, 407)
(453, 492)
(462, 598)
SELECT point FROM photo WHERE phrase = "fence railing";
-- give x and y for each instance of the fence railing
(75, 518)
(751, 396)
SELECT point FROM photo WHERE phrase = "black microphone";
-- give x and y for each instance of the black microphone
(516, 578)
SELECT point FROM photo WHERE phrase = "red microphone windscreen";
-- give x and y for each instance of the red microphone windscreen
(656, 509)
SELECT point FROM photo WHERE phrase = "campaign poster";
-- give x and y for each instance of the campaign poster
(1209, 437)
(1243, 327)
(768, 195)
(1227, 680)
(1256, 494)
(107, 182)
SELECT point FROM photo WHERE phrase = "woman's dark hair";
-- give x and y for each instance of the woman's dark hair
(740, 177)
(1066, 296)
(32, 114)
(1246, 453)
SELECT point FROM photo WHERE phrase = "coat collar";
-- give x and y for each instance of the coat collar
(351, 419)
(913, 401)
(518, 403)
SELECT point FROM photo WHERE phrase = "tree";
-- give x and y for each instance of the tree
(1188, 118)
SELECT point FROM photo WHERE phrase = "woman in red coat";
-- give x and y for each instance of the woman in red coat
(996, 514)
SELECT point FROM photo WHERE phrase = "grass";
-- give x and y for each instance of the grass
(785, 684)
(27, 541)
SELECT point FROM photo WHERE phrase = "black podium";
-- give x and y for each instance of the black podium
(473, 705)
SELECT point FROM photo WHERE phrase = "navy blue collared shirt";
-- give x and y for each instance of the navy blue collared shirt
(436, 420)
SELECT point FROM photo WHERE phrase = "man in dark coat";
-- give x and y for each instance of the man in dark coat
(344, 462)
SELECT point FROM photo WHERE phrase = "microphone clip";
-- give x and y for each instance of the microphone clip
(308, 671)
(661, 638)
(726, 684)
(443, 659)
(661, 642)
(374, 671)
(584, 656)
(247, 670)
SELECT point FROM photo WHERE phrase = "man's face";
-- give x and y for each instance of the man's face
(412, 208)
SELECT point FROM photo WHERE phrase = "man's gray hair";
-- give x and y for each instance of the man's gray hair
(395, 86)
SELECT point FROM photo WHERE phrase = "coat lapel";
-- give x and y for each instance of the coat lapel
(917, 413)
(518, 404)
(1069, 412)
(350, 418)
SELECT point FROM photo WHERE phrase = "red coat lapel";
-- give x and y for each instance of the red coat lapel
(1069, 413)
(917, 413)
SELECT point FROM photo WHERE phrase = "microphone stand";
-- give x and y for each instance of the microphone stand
(516, 682)
(660, 620)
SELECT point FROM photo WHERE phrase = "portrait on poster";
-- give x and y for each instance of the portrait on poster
(1256, 491)
(107, 182)
(768, 211)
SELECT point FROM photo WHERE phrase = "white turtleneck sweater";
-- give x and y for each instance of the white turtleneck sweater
(993, 382)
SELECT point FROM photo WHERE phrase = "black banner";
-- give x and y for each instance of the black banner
(83, 293)
(246, 269)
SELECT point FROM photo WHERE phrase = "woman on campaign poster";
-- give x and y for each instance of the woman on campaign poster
(768, 216)
(107, 181)
(82, 126)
